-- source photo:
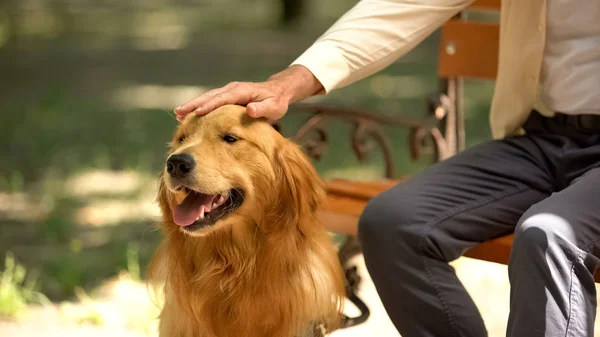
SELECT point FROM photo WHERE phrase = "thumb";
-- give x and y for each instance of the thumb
(255, 109)
(268, 109)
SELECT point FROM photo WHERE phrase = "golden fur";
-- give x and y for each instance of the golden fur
(269, 269)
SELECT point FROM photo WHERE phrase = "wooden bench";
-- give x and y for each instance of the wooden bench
(468, 50)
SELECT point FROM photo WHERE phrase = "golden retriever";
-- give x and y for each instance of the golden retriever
(244, 254)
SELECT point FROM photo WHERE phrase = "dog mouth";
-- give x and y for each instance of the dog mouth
(199, 210)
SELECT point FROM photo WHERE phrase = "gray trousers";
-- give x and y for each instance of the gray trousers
(544, 187)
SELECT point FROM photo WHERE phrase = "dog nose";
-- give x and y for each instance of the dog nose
(179, 165)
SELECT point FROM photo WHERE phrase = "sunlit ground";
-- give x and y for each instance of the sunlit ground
(123, 308)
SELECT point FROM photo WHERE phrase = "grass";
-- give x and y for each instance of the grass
(18, 288)
(133, 262)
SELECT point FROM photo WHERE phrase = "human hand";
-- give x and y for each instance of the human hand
(269, 99)
(265, 99)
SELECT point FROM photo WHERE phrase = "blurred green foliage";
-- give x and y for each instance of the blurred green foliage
(90, 86)
(18, 287)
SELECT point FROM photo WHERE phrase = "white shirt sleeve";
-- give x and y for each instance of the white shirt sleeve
(372, 35)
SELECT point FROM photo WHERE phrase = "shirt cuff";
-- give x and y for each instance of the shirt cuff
(326, 63)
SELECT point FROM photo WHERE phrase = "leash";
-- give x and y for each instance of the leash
(352, 280)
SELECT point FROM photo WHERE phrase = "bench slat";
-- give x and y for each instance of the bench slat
(359, 190)
(469, 49)
(486, 5)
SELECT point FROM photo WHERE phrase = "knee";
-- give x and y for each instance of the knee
(539, 232)
(388, 219)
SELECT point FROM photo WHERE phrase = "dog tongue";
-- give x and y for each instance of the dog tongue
(189, 210)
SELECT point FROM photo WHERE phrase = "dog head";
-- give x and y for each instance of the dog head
(225, 169)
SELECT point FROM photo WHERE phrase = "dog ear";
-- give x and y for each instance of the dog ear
(300, 189)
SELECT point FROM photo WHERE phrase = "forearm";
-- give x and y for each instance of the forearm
(372, 35)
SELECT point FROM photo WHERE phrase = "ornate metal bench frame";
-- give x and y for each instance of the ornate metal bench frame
(435, 133)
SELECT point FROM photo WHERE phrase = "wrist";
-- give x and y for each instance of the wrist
(296, 83)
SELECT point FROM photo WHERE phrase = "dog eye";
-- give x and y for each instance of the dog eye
(181, 139)
(229, 139)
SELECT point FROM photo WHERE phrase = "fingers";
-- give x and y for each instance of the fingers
(261, 100)
(234, 96)
(233, 93)
(195, 103)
